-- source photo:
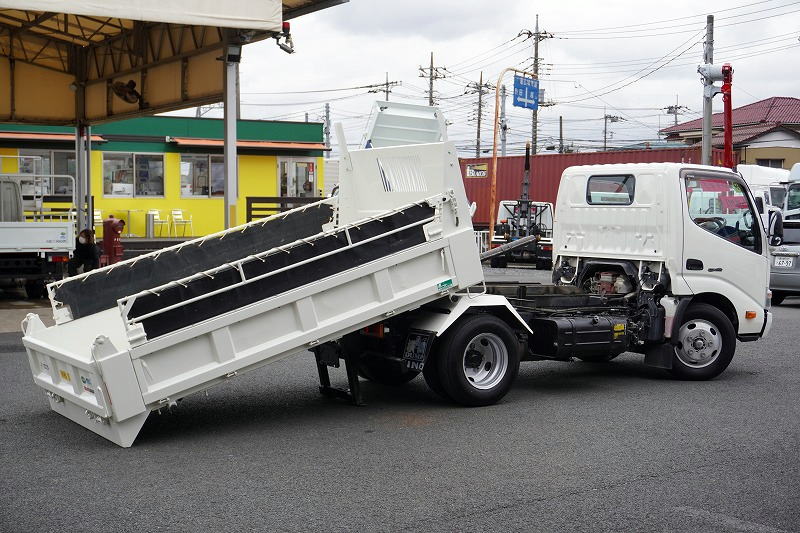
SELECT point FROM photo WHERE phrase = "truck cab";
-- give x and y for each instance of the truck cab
(686, 237)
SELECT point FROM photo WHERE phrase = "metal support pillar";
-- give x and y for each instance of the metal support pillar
(88, 173)
(80, 178)
(708, 93)
(230, 110)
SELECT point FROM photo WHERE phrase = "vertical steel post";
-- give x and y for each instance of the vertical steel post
(230, 100)
(708, 94)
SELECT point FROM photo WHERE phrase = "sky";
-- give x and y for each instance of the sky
(629, 59)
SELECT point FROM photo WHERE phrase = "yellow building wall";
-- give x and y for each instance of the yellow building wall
(258, 176)
(9, 165)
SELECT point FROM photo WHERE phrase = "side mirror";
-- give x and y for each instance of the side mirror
(775, 228)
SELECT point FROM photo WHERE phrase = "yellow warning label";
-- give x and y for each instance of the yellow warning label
(65, 375)
(619, 327)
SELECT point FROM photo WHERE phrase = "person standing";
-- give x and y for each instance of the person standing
(86, 253)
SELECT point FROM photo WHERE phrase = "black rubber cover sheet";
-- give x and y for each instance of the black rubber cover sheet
(298, 276)
(101, 290)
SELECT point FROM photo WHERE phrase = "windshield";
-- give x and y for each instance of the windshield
(777, 196)
(793, 197)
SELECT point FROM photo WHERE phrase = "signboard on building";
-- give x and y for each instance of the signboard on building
(477, 170)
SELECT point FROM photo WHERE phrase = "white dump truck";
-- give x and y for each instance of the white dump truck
(386, 276)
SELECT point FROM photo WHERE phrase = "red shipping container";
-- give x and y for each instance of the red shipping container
(546, 170)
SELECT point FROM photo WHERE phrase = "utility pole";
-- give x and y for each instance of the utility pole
(432, 73)
(479, 88)
(537, 36)
(708, 90)
(560, 134)
(675, 109)
(326, 129)
(503, 122)
(384, 87)
(606, 120)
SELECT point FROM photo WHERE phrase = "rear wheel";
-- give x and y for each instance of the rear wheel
(778, 297)
(477, 360)
(705, 345)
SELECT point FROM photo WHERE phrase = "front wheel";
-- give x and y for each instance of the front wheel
(778, 297)
(705, 345)
(477, 360)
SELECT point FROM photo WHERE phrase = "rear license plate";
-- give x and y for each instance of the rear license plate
(418, 344)
(784, 262)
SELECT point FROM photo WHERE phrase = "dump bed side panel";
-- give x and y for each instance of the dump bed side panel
(107, 285)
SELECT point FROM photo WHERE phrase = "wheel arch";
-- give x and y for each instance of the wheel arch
(714, 299)
(448, 311)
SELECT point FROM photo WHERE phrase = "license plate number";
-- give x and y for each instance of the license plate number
(784, 262)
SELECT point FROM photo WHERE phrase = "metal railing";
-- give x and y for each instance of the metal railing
(259, 207)
(482, 240)
(126, 304)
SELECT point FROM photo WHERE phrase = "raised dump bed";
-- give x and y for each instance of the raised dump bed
(141, 334)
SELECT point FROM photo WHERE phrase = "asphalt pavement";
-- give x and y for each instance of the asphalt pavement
(573, 447)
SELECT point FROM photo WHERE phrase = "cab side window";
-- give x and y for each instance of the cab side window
(721, 206)
(610, 190)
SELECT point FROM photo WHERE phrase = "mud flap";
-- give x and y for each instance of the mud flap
(660, 355)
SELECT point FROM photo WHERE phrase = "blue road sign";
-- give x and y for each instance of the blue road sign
(526, 92)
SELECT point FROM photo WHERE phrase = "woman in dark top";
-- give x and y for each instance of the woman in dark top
(86, 253)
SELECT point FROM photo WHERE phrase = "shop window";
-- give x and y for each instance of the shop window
(64, 165)
(131, 175)
(297, 177)
(202, 176)
(47, 165)
(35, 163)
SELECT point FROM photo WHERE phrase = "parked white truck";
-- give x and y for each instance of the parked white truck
(34, 251)
(386, 276)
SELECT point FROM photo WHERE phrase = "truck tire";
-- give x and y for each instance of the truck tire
(431, 374)
(478, 359)
(705, 345)
(778, 297)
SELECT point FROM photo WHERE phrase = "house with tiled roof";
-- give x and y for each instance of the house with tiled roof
(765, 133)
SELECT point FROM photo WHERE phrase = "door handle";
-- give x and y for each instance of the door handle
(694, 264)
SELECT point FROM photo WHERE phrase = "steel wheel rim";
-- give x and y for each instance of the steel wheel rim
(699, 343)
(485, 361)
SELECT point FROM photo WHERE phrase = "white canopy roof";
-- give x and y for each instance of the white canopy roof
(263, 15)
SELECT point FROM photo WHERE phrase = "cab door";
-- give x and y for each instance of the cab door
(724, 248)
